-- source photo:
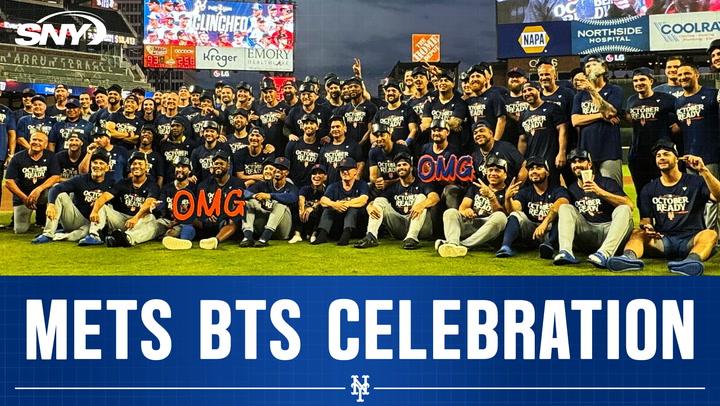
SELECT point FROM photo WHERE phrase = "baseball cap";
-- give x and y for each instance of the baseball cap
(115, 88)
(318, 168)
(352, 79)
(544, 61)
(175, 121)
(258, 130)
(378, 128)
(38, 97)
(516, 71)
(419, 70)
(244, 86)
(438, 123)
(281, 162)
(100, 90)
(137, 155)
(28, 92)
(76, 133)
(533, 84)
(60, 86)
(309, 117)
(575, 72)
(337, 118)
(644, 71)
(241, 112)
(715, 44)
(447, 74)
(210, 124)
(100, 154)
(666, 145)
(579, 153)
(149, 127)
(206, 96)
(132, 97)
(389, 82)
(307, 88)
(72, 103)
(219, 83)
(536, 161)
(496, 161)
(592, 58)
(221, 154)
(482, 123)
(184, 161)
(347, 163)
(403, 156)
(99, 132)
(464, 77)
(333, 80)
(140, 90)
(481, 68)
(312, 79)
(267, 84)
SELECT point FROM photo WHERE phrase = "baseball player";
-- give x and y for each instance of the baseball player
(599, 217)
(178, 234)
(381, 159)
(247, 162)
(309, 209)
(305, 152)
(202, 156)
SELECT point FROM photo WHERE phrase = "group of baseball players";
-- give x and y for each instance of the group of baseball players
(459, 161)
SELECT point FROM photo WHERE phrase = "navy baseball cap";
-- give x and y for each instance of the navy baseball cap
(241, 112)
(579, 153)
(244, 86)
(536, 161)
(715, 44)
(389, 82)
(516, 71)
(533, 84)
(282, 163)
(438, 123)
(309, 117)
(318, 168)
(149, 127)
(481, 68)
(464, 77)
(347, 163)
(576, 72)
(206, 96)
(28, 92)
(211, 125)
(257, 130)
(267, 84)
(482, 123)
(100, 90)
(496, 161)
(403, 156)
(38, 97)
(176, 121)
(419, 70)
(352, 79)
(115, 88)
(72, 103)
(191, 89)
(222, 154)
(137, 155)
(76, 133)
(591, 58)
(100, 154)
(307, 88)
(183, 161)
(378, 128)
(99, 132)
(666, 145)
(447, 74)
(644, 71)
(337, 118)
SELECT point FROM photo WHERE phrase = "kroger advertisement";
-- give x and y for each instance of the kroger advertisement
(348, 340)
(219, 35)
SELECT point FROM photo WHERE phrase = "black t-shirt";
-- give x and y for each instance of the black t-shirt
(237, 143)
(84, 191)
(68, 168)
(385, 161)
(536, 206)
(503, 150)
(293, 123)
(162, 123)
(541, 132)
(397, 120)
(593, 208)
(357, 118)
(331, 155)
(402, 198)
(270, 120)
(171, 151)
(128, 199)
(678, 209)
(127, 125)
(336, 192)
(201, 158)
(29, 173)
(651, 121)
(481, 205)
(302, 157)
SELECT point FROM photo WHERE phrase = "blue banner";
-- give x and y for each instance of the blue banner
(347, 340)
(629, 34)
(532, 40)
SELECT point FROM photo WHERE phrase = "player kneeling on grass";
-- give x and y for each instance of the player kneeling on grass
(342, 203)
(671, 216)
(269, 207)
(481, 217)
(599, 218)
(128, 215)
(219, 186)
(307, 217)
(533, 210)
(70, 202)
(402, 207)
(178, 234)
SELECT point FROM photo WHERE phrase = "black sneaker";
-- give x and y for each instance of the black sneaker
(366, 242)
(247, 243)
(410, 244)
(117, 238)
(261, 244)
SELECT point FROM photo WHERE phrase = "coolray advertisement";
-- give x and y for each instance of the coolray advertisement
(525, 40)
(222, 35)
(371, 340)
(681, 31)
(532, 11)
(610, 36)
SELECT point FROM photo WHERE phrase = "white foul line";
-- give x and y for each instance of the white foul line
(170, 388)
(549, 388)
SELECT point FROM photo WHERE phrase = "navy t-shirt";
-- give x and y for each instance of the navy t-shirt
(27, 125)
(563, 97)
(29, 173)
(593, 208)
(167, 195)
(248, 164)
(68, 168)
(156, 164)
(651, 119)
(513, 107)
(536, 206)
(126, 125)
(397, 120)
(128, 199)
(118, 165)
(488, 106)
(678, 209)
(271, 121)
(676, 91)
(336, 192)
(294, 124)
(162, 123)
(54, 112)
(287, 194)
(7, 123)
(62, 129)
(331, 155)
(210, 187)
(540, 127)
(449, 151)
(385, 161)
(697, 116)
(504, 150)
(202, 157)
(481, 205)
(455, 107)
(600, 138)
(84, 191)
(302, 157)
(312, 196)
(402, 198)
(357, 118)
(171, 151)
(198, 123)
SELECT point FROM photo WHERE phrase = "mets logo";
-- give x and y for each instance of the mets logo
(360, 389)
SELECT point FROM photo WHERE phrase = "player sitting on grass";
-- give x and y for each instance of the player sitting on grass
(671, 216)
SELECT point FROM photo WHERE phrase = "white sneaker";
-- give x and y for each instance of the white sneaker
(209, 243)
(452, 250)
(295, 239)
(313, 237)
(175, 244)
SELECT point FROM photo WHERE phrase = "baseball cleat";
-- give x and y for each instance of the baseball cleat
(448, 250)
(505, 252)
(598, 259)
(90, 240)
(624, 263)
(546, 251)
(176, 244)
(209, 243)
(41, 239)
(565, 258)
(687, 267)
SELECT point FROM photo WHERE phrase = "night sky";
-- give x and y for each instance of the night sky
(329, 34)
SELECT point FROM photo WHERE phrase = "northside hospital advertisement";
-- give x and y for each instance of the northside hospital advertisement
(348, 340)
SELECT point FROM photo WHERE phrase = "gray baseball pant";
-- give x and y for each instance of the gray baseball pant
(278, 220)
(400, 225)
(73, 222)
(146, 228)
(603, 237)
(474, 232)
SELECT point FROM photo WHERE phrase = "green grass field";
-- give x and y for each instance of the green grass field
(64, 258)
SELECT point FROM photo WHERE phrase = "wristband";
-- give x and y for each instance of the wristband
(408, 140)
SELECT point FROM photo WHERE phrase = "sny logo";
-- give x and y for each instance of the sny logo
(360, 389)
(36, 34)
